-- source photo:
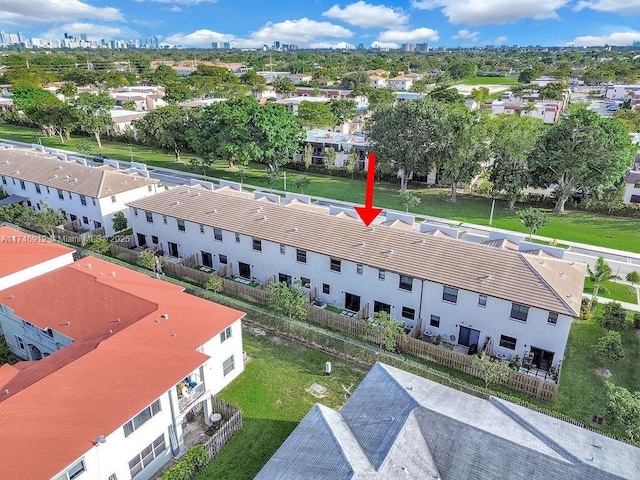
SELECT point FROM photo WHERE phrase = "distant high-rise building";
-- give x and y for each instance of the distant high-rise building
(406, 47)
(226, 46)
(214, 45)
(3, 37)
(155, 41)
(276, 45)
(20, 39)
(360, 46)
(422, 47)
(83, 36)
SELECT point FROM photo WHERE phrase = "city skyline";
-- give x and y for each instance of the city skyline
(327, 24)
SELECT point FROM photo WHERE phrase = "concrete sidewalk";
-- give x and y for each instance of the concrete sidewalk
(627, 306)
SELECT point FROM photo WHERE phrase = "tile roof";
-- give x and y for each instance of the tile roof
(402, 426)
(476, 268)
(48, 170)
(19, 250)
(94, 386)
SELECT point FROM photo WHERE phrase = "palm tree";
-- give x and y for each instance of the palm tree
(601, 273)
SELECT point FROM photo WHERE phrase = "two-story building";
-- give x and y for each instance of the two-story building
(401, 83)
(88, 195)
(632, 187)
(126, 360)
(461, 291)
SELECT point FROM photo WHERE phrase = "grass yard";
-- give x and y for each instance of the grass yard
(271, 393)
(616, 291)
(491, 81)
(582, 391)
(611, 232)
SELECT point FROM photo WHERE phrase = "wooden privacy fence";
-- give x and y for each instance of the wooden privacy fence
(125, 254)
(231, 423)
(187, 273)
(66, 233)
(245, 292)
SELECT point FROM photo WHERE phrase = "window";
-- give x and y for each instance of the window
(83, 200)
(61, 196)
(519, 312)
(164, 219)
(637, 184)
(301, 256)
(225, 334)
(4, 179)
(406, 283)
(73, 472)
(181, 226)
(450, 294)
(223, 259)
(508, 342)
(409, 313)
(306, 282)
(434, 321)
(142, 239)
(257, 245)
(113, 199)
(97, 224)
(217, 234)
(381, 274)
(228, 365)
(553, 318)
(284, 278)
(93, 200)
(482, 300)
(141, 418)
(359, 268)
(150, 188)
(85, 220)
(38, 188)
(237, 238)
(335, 265)
(381, 307)
(207, 259)
(154, 240)
(69, 195)
(326, 288)
(19, 342)
(149, 216)
(201, 228)
(135, 212)
(22, 185)
(147, 455)
(283, 249)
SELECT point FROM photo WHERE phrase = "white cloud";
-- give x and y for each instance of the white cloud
(175, 9)
(367, 15)
(466, 35)
(182, 2)
(496, 41)
(31, 12)
(389, 45)
(618, 38)
(408, 36)
(337, 45)
(302, 32)
(93, 31)
(485, 12)
(623, 7)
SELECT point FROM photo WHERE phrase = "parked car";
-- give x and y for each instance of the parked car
(100, 158)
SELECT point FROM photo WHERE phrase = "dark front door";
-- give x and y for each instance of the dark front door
(244, 269)
(468, 337)
(352, 302)
(142, 239)
(542, 359)
(207, 259)
(283, 277)
(173, 249)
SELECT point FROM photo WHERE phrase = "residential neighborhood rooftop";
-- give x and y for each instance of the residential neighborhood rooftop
(549, 284)
(53, 410)
(48, 170)
(402, 426)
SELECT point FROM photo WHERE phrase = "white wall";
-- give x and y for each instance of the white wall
(36, 270)
(629, 189)
(108, 207)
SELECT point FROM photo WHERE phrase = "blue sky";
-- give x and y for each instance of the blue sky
(325, 23)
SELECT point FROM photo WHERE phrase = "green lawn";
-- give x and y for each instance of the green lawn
(333, 309)
(490, 81)
(611, 232)
(271, 393)
(582, 391)
(615, 291)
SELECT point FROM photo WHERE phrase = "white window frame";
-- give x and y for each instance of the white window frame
(228, 366)
(225, 334)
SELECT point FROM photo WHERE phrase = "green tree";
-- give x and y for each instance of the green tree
(489, 370)
(448, 95)
(352, 160)
(301, 182)
(67, 90)
(5, 353)
(533, 219)
(512, 139)
(330, 155)
(119, 221)
(214, 284)
(49, 218)
(198, 163)
(600, 274)
(553, 91)
(18, 214)
(354, 80)
(609, 347)
(343, 110)
(99, 244)
(409, 200)
(29, 99)
(279, 135)
(385, 329)
(287, 300)
(257, 83)
(629, 118)
(284, 86)
(585, 150)
(623, 409)
(315, 115)
(147, 259)
(93, 112)
(166, 128)
(381, 97)
(613, 316)
(130, 106)
(83, 146)
(177, 92)
(3, 193)
(164, 75)
(408, 137)
(307, 155)
(480, 94)
(633, 277)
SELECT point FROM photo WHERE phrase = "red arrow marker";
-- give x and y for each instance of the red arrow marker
(368, 213)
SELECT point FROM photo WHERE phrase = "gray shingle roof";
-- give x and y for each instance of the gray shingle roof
(410, 427)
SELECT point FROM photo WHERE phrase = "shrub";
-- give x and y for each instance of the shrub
(609, 347)
(636, 320)
(214, 284)
(613, 316)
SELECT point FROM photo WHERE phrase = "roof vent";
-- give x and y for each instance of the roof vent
(541, 262)
(68, 323)
(165, 315)
(295, 229)
(598, 446)
(113, 274)
(264, 218)
(173, 335)
(562, 274)
(177, 203)
(6, 392)
(363, 244)
(88, 265)
(188, 191)
(488, 276)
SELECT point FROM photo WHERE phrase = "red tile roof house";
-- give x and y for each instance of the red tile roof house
(109, 395)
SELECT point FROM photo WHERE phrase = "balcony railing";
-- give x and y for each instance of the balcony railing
(191, 395)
